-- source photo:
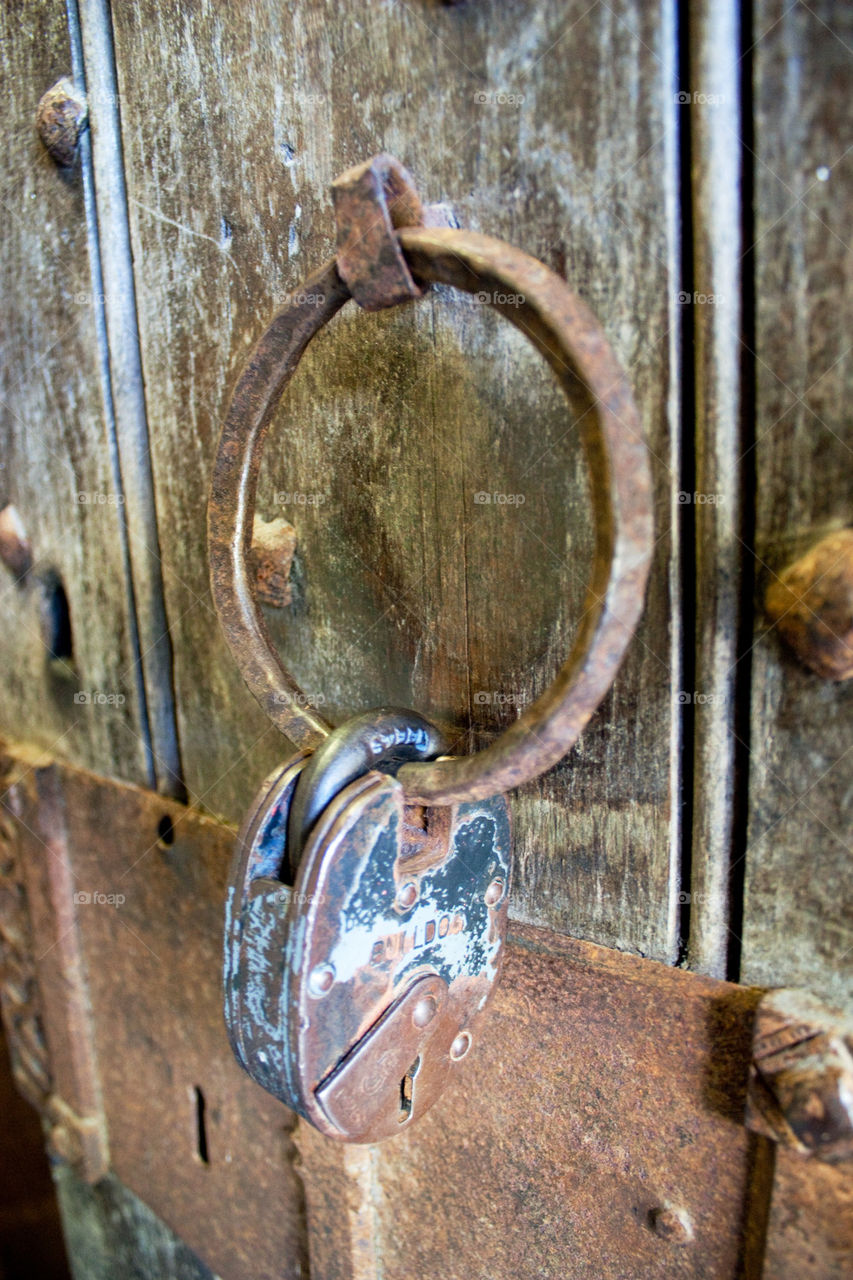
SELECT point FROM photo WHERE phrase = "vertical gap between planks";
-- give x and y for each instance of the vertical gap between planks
(713, 502)
(673, 203)
(90, 25)
(685, 531)
(96, 276)
(749, 481)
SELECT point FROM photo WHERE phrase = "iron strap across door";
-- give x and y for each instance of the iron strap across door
(596, 1043)
(385, 255)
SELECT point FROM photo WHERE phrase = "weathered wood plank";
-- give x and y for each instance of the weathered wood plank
(798, 926)
(56, 462)
(57, 467)
(810, 1231)
(91, 31)
(110, 1232)
(550, 125)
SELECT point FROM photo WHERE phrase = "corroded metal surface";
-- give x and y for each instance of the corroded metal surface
(601, 1113)
(15, 550)
(382, 739)
(371, 202)
(20, 1001)
(398, 1052)
(570, 339)
(801, 1078)
(232, 500)
(811, 604)
(61, 116)
(271, 557)
(596, 1132)
(42, 989)
(567, 334)
(188, 1131)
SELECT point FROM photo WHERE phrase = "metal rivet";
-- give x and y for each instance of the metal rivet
(424, 1011)
(15, 550)
(322, 980)
(271, 558)
(494, 893)
(671, 1224)
(61, 116)
(460, 1046)
(811, 603)
(407, 895)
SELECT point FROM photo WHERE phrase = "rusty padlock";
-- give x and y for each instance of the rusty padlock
(368, 899)
(353, 995)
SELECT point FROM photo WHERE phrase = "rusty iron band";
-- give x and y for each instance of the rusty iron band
(567, 334)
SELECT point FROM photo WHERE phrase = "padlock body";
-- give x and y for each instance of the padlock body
(385, 952)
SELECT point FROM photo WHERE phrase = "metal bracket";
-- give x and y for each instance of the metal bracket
(372, 202)
(801, 1078)
(42, 990)
(583, 1077)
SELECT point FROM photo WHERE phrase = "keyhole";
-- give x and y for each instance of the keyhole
(407, 1089)
(201, 1126)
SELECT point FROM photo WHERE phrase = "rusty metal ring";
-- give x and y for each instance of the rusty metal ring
(567, 334)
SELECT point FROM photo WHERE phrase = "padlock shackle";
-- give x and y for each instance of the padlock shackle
(383, 739)
(567, 334)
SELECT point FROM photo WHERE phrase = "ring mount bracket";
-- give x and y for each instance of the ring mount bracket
(372, 202)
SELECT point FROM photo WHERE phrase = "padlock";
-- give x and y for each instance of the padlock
(353, 993)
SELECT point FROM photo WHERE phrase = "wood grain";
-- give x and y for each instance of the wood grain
(110, 244)
(109, 1232)
(56, 467)
(406, 590)
(810, 1231)
(55, 464)
(798, 926)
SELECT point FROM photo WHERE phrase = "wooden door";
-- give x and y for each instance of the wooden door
(684, 168)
